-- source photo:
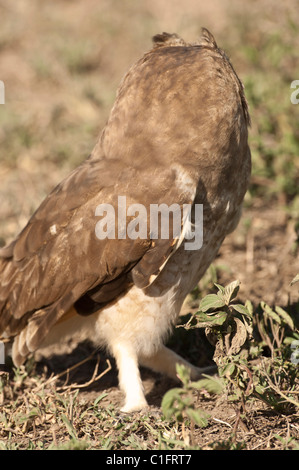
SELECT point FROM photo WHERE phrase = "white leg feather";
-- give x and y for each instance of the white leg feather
(165, 360)
(129, 377)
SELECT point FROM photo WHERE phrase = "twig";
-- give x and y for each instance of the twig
(61, 374)
(277, 390)
(222, 422)
(93, 379)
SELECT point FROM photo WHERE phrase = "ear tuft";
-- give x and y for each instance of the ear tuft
(167, 39)
(207, 39)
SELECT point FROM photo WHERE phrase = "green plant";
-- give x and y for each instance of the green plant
(253, 353)
(178, 402)
(227, 324)
(251, 371)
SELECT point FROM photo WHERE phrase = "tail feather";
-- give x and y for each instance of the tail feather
(28, 327)
(38, 326)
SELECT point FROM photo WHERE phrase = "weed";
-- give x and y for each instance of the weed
(253, 354)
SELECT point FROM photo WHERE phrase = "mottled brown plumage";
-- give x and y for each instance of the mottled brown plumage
(177, 133)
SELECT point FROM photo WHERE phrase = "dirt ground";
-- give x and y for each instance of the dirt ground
(61, 63)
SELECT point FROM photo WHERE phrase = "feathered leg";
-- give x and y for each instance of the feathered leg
(129, 377)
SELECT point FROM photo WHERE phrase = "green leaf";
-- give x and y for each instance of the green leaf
(285, 316)
(228, 370)
(183, 372)
(219, 287)
(270, 313)
(168, 401)
(241, 309)
(211, 301)
(211, 320)
(69, 426)
(198, 417)
(260, 389)
(230, 291)
(249, 306)
(99, 398)
(211, 384)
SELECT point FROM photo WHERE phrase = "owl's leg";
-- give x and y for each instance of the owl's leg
(129, 377)
(165, 360)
